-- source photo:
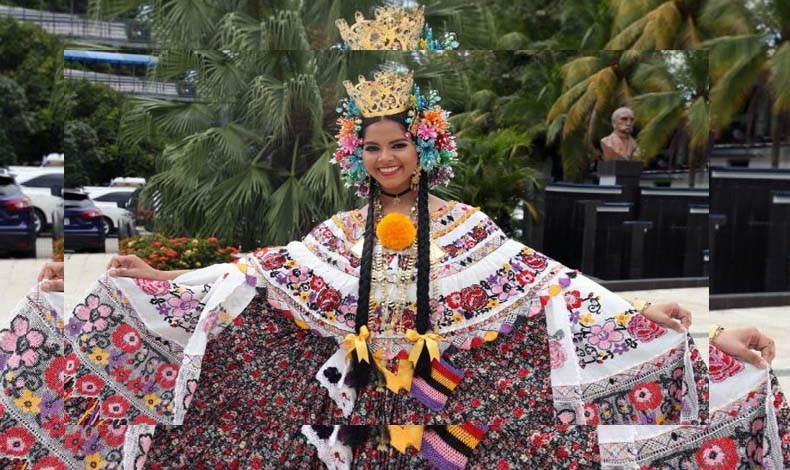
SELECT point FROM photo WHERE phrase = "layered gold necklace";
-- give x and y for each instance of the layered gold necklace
(389, 307)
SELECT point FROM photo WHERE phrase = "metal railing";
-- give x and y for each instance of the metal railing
(134, 85)
(79, 27)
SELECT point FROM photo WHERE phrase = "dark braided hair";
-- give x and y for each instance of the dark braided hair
(360, 373)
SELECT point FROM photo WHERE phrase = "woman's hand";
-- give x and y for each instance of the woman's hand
(744, 344)
(50, 278)
(133, 266)
(670, 315)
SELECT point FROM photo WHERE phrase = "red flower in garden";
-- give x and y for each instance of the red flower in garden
(717, 454)
(473, 298)
(329, 299)
(643, 329)
(16, 441)
(646, 396)
(115, 407)
(126, 338)
(166, 375)
(573, 299)
(89, 385)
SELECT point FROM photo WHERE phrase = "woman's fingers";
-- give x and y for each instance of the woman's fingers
(52, 286)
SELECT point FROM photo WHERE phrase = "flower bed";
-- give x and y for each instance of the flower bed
(178, 253)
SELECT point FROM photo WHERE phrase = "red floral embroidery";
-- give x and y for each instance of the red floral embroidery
(55, 425)
(89, 385)
(72, 364)
(573, 299)
(55, 375)
(473, 298)
(16, 442)
(126, 338)
(317, 283)
(643, 329)
(557, 355)
(454, 300)
(272, 260)
(115, 407)
(646, 396)
(113, 434)
(722, 366)
(591, 414)
(166, 375)
(152, 287)
(49, 462)
(717, 454)
(536, 261)
(525, 277)
(329, 299)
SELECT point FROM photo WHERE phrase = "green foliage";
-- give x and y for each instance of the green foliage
(94, 112)
(29, 129)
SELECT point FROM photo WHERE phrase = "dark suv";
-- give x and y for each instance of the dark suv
(17, 220)
(83, 227)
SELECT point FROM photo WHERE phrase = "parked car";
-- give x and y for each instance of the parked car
(43, 186)
(82, 222)
(17, 221)
(113, 202)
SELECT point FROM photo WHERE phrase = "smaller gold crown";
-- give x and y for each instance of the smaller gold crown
(393, 29)
(388, 93)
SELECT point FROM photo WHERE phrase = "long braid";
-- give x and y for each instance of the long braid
(423, 367)
(359, 375)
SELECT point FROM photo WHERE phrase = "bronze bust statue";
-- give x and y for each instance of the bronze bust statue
(620, 145)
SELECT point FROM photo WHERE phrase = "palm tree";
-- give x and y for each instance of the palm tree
(677, 119)
(594, 84)
(751, 71)
(673, 24)
(286, 24)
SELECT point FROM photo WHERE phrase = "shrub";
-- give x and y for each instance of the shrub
(178, 253)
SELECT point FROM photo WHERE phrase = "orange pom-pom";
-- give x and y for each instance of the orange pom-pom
(396, 231)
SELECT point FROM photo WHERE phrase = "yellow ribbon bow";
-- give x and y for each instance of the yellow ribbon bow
(428, 340)
(358, 342)
(402, 437)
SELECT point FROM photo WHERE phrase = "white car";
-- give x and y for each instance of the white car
(106, 199)
(42, 185)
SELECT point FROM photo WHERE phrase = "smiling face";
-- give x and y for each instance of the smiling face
(389, 155)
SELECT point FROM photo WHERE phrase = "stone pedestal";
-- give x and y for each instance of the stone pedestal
(625, 173)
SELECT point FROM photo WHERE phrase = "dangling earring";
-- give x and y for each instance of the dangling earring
(415, 179)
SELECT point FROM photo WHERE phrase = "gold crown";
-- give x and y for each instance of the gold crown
(393, 29)
(388, 93)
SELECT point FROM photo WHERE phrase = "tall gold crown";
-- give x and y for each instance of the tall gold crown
(388, 93)
(393, 29)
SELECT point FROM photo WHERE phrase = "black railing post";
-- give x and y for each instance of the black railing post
(590, 229)
(636, 231)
